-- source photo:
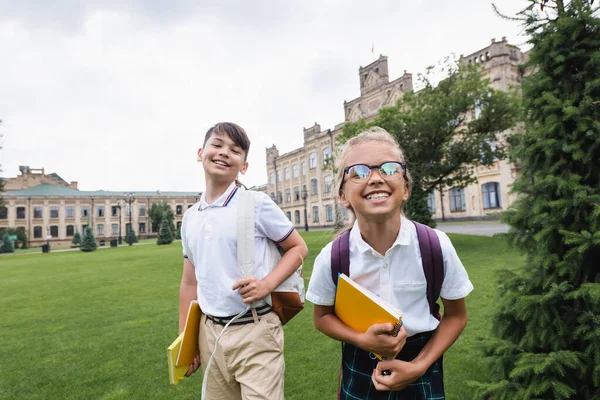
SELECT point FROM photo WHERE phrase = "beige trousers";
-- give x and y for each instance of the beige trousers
(248, 362)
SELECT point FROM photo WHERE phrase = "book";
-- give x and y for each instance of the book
(359, 308)
(181, 353)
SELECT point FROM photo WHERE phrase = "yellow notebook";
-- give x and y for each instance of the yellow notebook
(359, 308)
(181, 353)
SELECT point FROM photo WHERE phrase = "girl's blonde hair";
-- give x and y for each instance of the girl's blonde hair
(373, 134)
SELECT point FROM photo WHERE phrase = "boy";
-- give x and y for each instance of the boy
(249, 360)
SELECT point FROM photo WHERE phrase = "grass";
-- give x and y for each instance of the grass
(96, 325)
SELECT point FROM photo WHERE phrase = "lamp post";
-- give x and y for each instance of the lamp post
(129, 198)
(120, 220)
(305, 197)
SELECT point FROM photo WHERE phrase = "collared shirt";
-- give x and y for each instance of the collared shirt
(397, 276)
(208, 236)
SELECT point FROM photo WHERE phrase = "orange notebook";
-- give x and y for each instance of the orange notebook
(359, 308)
(181, 353)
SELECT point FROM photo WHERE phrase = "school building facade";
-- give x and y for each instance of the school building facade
(52, 210)
(301, 180)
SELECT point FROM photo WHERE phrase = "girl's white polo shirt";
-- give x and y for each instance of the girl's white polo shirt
(208, 236)
(397, 276)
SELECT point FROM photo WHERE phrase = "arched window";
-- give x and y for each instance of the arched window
(431, 202)
(329, 213)
(457, 199)
(315, 214)
(491, 195)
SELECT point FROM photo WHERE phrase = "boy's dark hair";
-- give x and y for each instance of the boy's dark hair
(234, 132)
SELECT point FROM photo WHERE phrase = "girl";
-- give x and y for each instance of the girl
(385, 258)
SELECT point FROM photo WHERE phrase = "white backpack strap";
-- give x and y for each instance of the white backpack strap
(245, 233)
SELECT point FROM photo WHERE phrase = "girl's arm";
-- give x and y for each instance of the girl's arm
(402, 373)
(377, 339)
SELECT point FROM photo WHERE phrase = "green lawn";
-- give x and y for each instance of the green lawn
(96, 325)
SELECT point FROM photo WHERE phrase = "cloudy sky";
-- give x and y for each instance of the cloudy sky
(117, 94)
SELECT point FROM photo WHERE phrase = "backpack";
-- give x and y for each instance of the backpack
(431, 257)
(287, 299)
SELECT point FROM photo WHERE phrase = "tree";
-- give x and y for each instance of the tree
(7, 244)
(157, 212)
(89, 241)
(130, 236)
(76, 239)
(445, 129)
(546, 342)
(165, 236)
(20, 233)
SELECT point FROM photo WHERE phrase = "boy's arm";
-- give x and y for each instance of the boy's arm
(402, 373)
(187, 291)
(252, 289)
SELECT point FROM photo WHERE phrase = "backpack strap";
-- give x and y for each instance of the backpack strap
(433, 265)
(340, 256)
(245, 233)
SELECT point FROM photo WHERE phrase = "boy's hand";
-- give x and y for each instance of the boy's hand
(378, 339)
(193, 366)
(251, 289)
(398, 375)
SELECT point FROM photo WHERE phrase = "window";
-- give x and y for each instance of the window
(288, 196)
(313, 186)
(491, 195)
(296, 193)
(312, 160)
(70, 211)
(179, 226)
(37, 212)
(99, 211)
(278, 176)
(53, 211)
(142, 227)
(345, 214)
(100, 229)
(20, 212)
(272, 177)
(3, 213)
(37, 232)
(329, 213)
(142, 210)
(328, 182)
(326, 155)
(84, 227)
(54, 231)
(288, 215)
(85, 211)
(487, 151)
(115, 229)
(279, 197)
(303, 168)
(297, 216)
(127, 210)
(315, 214)
(273, 196)
(189, 206)
(114, 211)
(287, 173)
(295, 170)
(457, 199)
(179, 209)
(70, 230)
(431, 202)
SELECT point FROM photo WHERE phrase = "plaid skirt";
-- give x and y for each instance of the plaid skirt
(358, 365)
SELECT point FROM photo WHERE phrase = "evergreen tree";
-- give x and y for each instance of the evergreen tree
(546, 341)
(76, 239)
(130, 236)
(89, 241)
(7, 244)
(165, 236)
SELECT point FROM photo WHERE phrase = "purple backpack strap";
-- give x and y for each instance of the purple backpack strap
(340, 256)
(433, 265)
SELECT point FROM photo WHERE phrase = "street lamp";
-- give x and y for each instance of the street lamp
(305, 197)
(129, 198)
(120, 220)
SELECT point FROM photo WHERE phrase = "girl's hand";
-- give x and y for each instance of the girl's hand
(398, 374)
(251, 289)
(378, 339)
(193, 366)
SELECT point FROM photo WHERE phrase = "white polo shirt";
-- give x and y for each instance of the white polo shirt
(208, 235)
(397, 276)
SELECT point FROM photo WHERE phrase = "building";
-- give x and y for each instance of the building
(50, 209)
(302, 187)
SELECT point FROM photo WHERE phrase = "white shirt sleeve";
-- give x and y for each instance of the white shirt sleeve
(456, 283)
(321, 289)
(271, 222)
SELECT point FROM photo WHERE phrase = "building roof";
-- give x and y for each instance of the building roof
(51, 190)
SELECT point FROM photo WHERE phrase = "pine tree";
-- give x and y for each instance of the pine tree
(76, 239)
(89, 241)
(165, 236)
(547, 328)
(130, 236)
(7, 244)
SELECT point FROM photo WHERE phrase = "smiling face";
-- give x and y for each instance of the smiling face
(222, 158)
(376, 198)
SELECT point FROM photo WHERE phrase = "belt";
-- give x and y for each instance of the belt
(247, 318)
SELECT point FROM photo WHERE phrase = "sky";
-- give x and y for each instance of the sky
(118, 94)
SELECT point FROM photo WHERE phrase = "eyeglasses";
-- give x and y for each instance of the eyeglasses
(389, 170)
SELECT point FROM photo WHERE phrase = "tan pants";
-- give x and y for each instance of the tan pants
(248, 363)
